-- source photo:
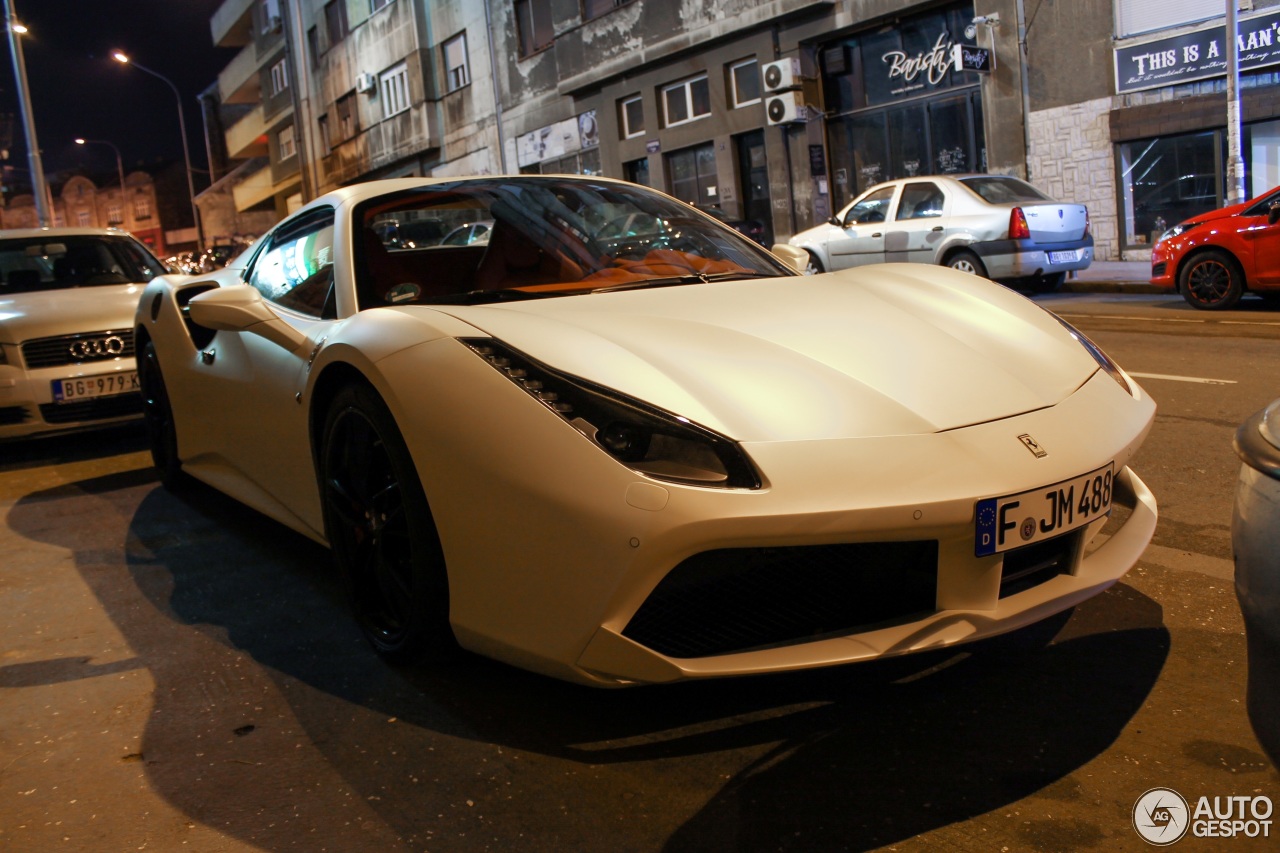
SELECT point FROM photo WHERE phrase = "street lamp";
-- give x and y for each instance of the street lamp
(124, 59)
(40, 189)
(119, 162)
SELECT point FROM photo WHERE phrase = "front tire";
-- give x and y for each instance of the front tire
(967, 262)
(157, 414)
(1211, 280)
(814, 267)
(380, 528)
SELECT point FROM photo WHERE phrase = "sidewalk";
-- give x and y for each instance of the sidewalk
(1113, 277)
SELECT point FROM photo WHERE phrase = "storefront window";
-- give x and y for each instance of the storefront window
(1166, 180)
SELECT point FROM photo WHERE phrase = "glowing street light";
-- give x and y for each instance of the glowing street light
(119, 161)
(124, 59)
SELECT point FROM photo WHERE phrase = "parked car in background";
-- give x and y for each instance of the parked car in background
(466, 235)
(619, 454)
(990, 225)
(67, 299)
(1255, 542)
(1215, 258)
(753, 229)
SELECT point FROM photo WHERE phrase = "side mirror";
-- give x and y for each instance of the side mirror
(240, 308)
(835, 220)
(1273, 213)
(792, 256)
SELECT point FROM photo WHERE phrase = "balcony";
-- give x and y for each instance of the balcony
(232, 24)
(248, 136)
(259, 187)
(238, 83)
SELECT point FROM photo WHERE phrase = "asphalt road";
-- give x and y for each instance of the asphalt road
(180, 673)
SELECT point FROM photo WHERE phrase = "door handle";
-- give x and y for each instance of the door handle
(937, 228)
(877, 234)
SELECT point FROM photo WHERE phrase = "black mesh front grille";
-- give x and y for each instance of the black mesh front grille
(731, 600)
(10, 415)
(92, 347)
(1157, 270)
(1032, 565)
(96, 409)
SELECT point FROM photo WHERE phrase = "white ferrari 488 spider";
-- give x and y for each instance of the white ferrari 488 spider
(619, 443)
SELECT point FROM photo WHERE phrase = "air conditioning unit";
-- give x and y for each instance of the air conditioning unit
(781, 75)
(365, 83)
(785, 107)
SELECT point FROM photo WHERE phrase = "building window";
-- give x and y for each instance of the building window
(335, 20)
(631, 117)
(744, 83)
(348, 122)
(592, 9)
(691, 174)
(533, 24)
(284, 140)
(114, 214)
(457, 74)
(393, 90)
(83, 219)
(313, 45)
(142, 207)
(270, 15)
(279, 77)
(375, 5)
(1166, 180)
(686, 101)
(326, 142)
(637, 171)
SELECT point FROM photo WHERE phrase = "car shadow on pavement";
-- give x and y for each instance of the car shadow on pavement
(263, 685)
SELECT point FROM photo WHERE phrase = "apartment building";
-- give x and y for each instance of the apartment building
(779, 111)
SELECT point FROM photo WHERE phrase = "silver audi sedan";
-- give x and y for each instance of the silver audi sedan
(67, 300)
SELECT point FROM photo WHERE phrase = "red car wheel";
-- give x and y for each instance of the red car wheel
(1211, 280)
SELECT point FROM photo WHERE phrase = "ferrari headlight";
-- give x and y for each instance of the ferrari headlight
(642, 437)
(1104, 361)
(1180, 228)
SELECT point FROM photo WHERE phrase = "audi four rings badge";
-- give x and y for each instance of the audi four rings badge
(108, 347)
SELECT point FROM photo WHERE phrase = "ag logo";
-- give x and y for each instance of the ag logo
(1161, 816)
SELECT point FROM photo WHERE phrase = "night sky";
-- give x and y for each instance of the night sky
(77, 89)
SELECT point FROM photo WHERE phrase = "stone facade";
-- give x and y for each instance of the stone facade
(1071, 158)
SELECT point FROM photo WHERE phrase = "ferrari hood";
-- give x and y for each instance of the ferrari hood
(884, 350)
(65, 311)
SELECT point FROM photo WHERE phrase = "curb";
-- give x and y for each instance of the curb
(1114, 287)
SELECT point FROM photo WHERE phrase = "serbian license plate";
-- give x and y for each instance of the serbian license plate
(1017, 520)
(1064, 257)
(88, 387)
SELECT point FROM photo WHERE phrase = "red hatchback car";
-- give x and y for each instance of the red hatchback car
(1212, 259)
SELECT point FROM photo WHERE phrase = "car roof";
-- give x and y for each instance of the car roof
(11, 233)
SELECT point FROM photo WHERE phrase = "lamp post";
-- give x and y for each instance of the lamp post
(124, 59)
(119, 164)
(39, 189)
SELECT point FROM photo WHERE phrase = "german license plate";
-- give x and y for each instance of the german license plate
(1016, 520)
(1064, 257)
(88, 387)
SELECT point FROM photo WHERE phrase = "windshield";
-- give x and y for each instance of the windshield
(54, 262)
(995, 189)
(535, 236)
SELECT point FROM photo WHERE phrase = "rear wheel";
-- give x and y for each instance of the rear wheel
(1211, 280)
(381, 530)
(814, 267)
(967, 262)
(157, 414)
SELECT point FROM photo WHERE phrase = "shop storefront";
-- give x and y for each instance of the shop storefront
(1171, 157)
(896, 107)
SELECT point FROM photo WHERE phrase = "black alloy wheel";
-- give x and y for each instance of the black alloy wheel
(157, 414)
(1211, 280)
(380, 528)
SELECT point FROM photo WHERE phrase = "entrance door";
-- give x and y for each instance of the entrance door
(692, 175)
(753, 178)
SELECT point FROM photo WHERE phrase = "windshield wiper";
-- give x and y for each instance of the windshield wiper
(691, 278)
(486, 297)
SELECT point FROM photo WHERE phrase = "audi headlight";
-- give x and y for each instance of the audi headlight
(1180, 228)
(1104, 361)
(645, 438)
